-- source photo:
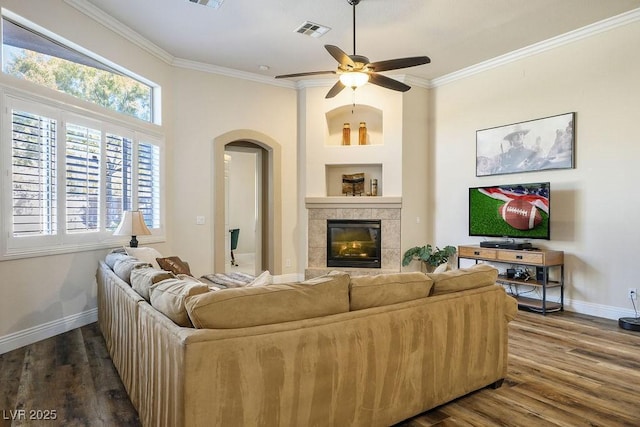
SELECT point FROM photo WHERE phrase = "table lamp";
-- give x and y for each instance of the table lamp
(132, 224)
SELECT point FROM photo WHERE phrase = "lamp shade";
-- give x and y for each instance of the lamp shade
(132, 224)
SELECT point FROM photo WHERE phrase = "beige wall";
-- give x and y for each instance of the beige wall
(593, 206)
(207, 106)
(418, 185)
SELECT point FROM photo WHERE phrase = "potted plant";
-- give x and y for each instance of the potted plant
(428, 255)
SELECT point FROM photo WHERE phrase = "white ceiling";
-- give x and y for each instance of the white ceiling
(455, 34)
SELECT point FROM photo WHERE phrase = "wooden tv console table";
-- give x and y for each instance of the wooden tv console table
(542, 260)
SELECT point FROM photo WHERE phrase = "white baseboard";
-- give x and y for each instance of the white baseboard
(598, 310)
(46, 330)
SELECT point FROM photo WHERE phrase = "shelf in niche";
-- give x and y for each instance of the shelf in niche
(333, 174)
(336, 118)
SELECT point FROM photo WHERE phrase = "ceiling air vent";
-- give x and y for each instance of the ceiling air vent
(312, 29)
(211, 3)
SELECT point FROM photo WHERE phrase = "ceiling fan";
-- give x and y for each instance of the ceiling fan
(356, 70)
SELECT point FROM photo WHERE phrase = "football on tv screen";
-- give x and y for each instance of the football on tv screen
(515, 211)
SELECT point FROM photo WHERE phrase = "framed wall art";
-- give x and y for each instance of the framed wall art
(534, 145)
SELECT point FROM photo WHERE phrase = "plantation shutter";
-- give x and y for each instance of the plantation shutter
(149, 183)
(33, 174)
(82, 178)
(118, 185)
(70, 176)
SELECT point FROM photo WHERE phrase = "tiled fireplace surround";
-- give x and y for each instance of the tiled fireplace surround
(322, 209)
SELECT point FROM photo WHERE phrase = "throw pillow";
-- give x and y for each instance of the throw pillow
(441, 268)
(464, 278)
(265, 278)
(123, 267)
(387, 289)
(143, 278)
(114, 257)
(168, 297)
(231, 280)
(145, 254)
(175, 265)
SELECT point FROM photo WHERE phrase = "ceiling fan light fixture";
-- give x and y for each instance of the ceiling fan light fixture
(354, 79)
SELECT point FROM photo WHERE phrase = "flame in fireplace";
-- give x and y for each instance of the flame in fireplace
(353, 248)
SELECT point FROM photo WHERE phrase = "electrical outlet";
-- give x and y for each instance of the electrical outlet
(632, 293)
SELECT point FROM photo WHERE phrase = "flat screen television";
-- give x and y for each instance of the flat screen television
(519, 211)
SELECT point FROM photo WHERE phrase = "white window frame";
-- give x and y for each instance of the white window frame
(21, 247)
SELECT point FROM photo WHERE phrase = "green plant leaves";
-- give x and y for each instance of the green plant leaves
(428, 254)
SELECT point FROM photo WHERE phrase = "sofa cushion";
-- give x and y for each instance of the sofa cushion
(145, 254)
(264, 305)
(265, 278)
(174, 264)
(168, 297)
(386, 289)
(124, 266)
(143, 278)
(464, 278)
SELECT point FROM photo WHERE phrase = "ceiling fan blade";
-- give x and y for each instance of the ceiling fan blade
(336, 89)
(311, 73)
(386, 82)
(340, 56)
(394, 64)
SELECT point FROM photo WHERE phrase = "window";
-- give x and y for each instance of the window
(33, 174)
(72, 176)
(148, 179)
(82, 178)
(118, 178)
(32, 56)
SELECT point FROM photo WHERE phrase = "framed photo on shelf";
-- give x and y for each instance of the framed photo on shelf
(534, 145)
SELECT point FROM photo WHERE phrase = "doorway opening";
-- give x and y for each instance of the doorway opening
(244, 208)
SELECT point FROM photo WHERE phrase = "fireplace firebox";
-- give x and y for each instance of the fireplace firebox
(354, 243)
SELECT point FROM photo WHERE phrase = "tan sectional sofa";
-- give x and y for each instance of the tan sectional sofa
(336, 351)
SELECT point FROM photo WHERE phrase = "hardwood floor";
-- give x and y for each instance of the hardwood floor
(565, 369)
(69, 377)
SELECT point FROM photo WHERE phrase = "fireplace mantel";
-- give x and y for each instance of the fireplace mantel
(354, 202)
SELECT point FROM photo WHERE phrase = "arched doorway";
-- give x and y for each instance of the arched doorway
(271, 198)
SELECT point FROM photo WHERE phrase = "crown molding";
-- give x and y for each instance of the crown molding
(417, 81)
(536, 48)
(590, 30)
(119, 28)
(230, 72)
